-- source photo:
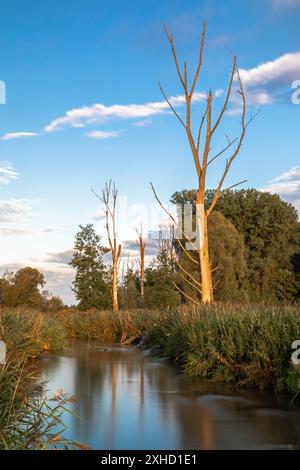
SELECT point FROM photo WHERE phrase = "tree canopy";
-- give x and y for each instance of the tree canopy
(91, 284)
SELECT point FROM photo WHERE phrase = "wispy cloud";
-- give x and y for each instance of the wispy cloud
(15, 211)
(99, 113)
(61, 257)
(100, 135)
(282, 70)
(287, 185)
(142, 123)
(130, 248)
(18, 135)
(267, 83)
(16, 216)
(7, 173)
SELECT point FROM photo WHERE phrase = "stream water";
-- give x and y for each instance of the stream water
(127, 399)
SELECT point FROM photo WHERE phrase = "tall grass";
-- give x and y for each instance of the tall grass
(107, 326)
(27, 419)
(244, 345)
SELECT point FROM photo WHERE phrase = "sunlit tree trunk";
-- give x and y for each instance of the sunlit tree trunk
(141, 262)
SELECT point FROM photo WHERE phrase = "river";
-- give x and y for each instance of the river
(127, 399)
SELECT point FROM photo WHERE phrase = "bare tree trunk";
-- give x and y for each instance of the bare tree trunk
(115, 286)
(142, 278)
(203, 250)
(206, 270)
(109, 200)
(141, 262)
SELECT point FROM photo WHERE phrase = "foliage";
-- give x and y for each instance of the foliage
(271, 234)
(130, 290)
(23, 289)
(159, 289)
(91, 284)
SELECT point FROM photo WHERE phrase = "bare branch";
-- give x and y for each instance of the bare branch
(222, 151)
(224, 107)
(171, 41)
(175, 223)
(185, 295)
(171, 106)
(200, 60)
(235, 153)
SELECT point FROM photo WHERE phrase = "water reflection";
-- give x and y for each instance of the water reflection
(128, 400)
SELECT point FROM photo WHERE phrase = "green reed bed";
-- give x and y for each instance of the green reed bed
(244, 345)
(28, 420)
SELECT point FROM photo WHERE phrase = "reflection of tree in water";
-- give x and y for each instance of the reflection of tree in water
(211, 422)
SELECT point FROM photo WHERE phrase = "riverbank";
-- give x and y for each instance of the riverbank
(243, 345)
(246, 346)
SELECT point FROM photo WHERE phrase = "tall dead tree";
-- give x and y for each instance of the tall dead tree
(109, 197)
(141, 261)
(201, 152)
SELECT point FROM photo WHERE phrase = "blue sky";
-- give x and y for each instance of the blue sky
(60, 56)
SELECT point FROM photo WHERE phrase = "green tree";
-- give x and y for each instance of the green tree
(91, 279)
(227, 254)
(129, 292)
(159, 290)
(25, 288)
(270, 229)
(51, 303)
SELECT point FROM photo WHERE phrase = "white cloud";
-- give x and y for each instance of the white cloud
(284, 69)
(287, 185)
(100, 135)
(98, 113)
(142, 123)
(18, 135)
(15, 211)
(7, 173)
(61, 257)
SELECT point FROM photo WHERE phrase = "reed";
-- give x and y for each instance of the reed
(28, 420)
(246, 345)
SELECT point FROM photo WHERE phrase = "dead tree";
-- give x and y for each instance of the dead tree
(141, 261)
(109, 198)
(202, 156)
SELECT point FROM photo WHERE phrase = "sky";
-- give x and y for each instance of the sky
(80, 104)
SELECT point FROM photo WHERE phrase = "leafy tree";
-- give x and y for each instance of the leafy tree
(24, 288)
(129, 292)
(51, 303)
(90, 285)
(227, 253)
(270, 229)
(159, 290)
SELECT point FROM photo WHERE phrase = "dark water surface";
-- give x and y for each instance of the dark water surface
(126, 399)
